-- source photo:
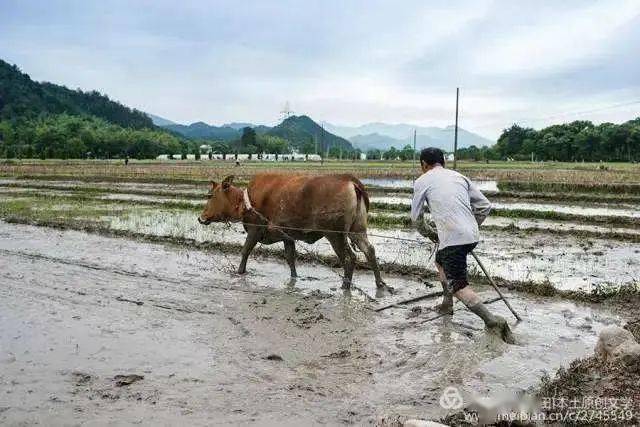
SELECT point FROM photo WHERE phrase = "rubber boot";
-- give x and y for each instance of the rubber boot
(446, 306)
(494, 323)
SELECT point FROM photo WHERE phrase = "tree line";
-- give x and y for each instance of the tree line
(65, 136)
(569, 142)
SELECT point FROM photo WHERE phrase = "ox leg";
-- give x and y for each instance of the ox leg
(361, 241)
(290, 254)
(249, 244)
(345, 254)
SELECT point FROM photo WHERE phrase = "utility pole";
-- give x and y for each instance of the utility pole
(286, 111)
(455, 134)
(414, 150)
(322, 139)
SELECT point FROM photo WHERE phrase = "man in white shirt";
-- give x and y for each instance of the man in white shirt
(457, 208)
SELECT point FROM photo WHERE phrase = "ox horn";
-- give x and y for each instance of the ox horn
(227, 182)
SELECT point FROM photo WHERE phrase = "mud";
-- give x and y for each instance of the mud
(593, 209)
(209, 347)
(612, 388)
(408, 183)
(188, 190)
(589, 257)
(577, 264)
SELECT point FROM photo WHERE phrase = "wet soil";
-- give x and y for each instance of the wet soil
(119, 331)
(612, 387)
(586, 210)
(574, 264)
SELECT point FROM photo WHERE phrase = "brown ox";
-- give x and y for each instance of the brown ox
(285, 208)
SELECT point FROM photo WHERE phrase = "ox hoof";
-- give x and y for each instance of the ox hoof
(346, 284)
(242, 271)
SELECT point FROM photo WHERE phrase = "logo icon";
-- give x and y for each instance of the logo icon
(451, 398)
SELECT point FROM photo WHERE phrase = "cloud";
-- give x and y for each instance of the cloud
(345, 62)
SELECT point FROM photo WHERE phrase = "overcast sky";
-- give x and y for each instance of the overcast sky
(346, 62)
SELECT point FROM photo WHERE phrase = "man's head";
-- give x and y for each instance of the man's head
(430, 157)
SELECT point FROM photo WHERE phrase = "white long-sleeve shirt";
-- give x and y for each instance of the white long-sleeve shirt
(456, 205)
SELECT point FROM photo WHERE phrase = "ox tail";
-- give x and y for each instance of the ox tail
(361, 197)
(361, 193)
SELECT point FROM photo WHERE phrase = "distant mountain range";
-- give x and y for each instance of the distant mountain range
(302, 130)
(201, 130)
(383, 136)
(160, 121)
(299, 130)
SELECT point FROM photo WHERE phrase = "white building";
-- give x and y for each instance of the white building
(269, 157)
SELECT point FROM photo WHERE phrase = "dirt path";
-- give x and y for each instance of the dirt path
(77, 310)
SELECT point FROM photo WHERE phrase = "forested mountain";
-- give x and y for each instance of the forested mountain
(46, 120)
(23, 98)
(304, 133)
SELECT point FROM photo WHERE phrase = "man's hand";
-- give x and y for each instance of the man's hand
(427, 228)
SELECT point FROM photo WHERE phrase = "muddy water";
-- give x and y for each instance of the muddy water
(76, 310)
(532, 223)
(593, 209)
(108, 185)
(525, 223)
(156, 199)
(567, 262)
(408, 183)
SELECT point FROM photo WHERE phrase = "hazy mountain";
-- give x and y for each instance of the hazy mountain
(375, 141)
(300, 130)
(21, 97)
(201, 130)
(160, 121)
(239, 125)
(369, 135)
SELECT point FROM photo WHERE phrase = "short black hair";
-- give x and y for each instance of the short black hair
(432, 155)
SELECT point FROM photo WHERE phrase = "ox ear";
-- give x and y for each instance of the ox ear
(227, 182)
(213, 185)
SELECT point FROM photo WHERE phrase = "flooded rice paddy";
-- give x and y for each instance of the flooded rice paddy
(577, 264)
(587, 210)
(408, 183)
(200, 345)
(514, 249)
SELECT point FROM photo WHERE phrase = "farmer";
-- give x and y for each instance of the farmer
(457, 208)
